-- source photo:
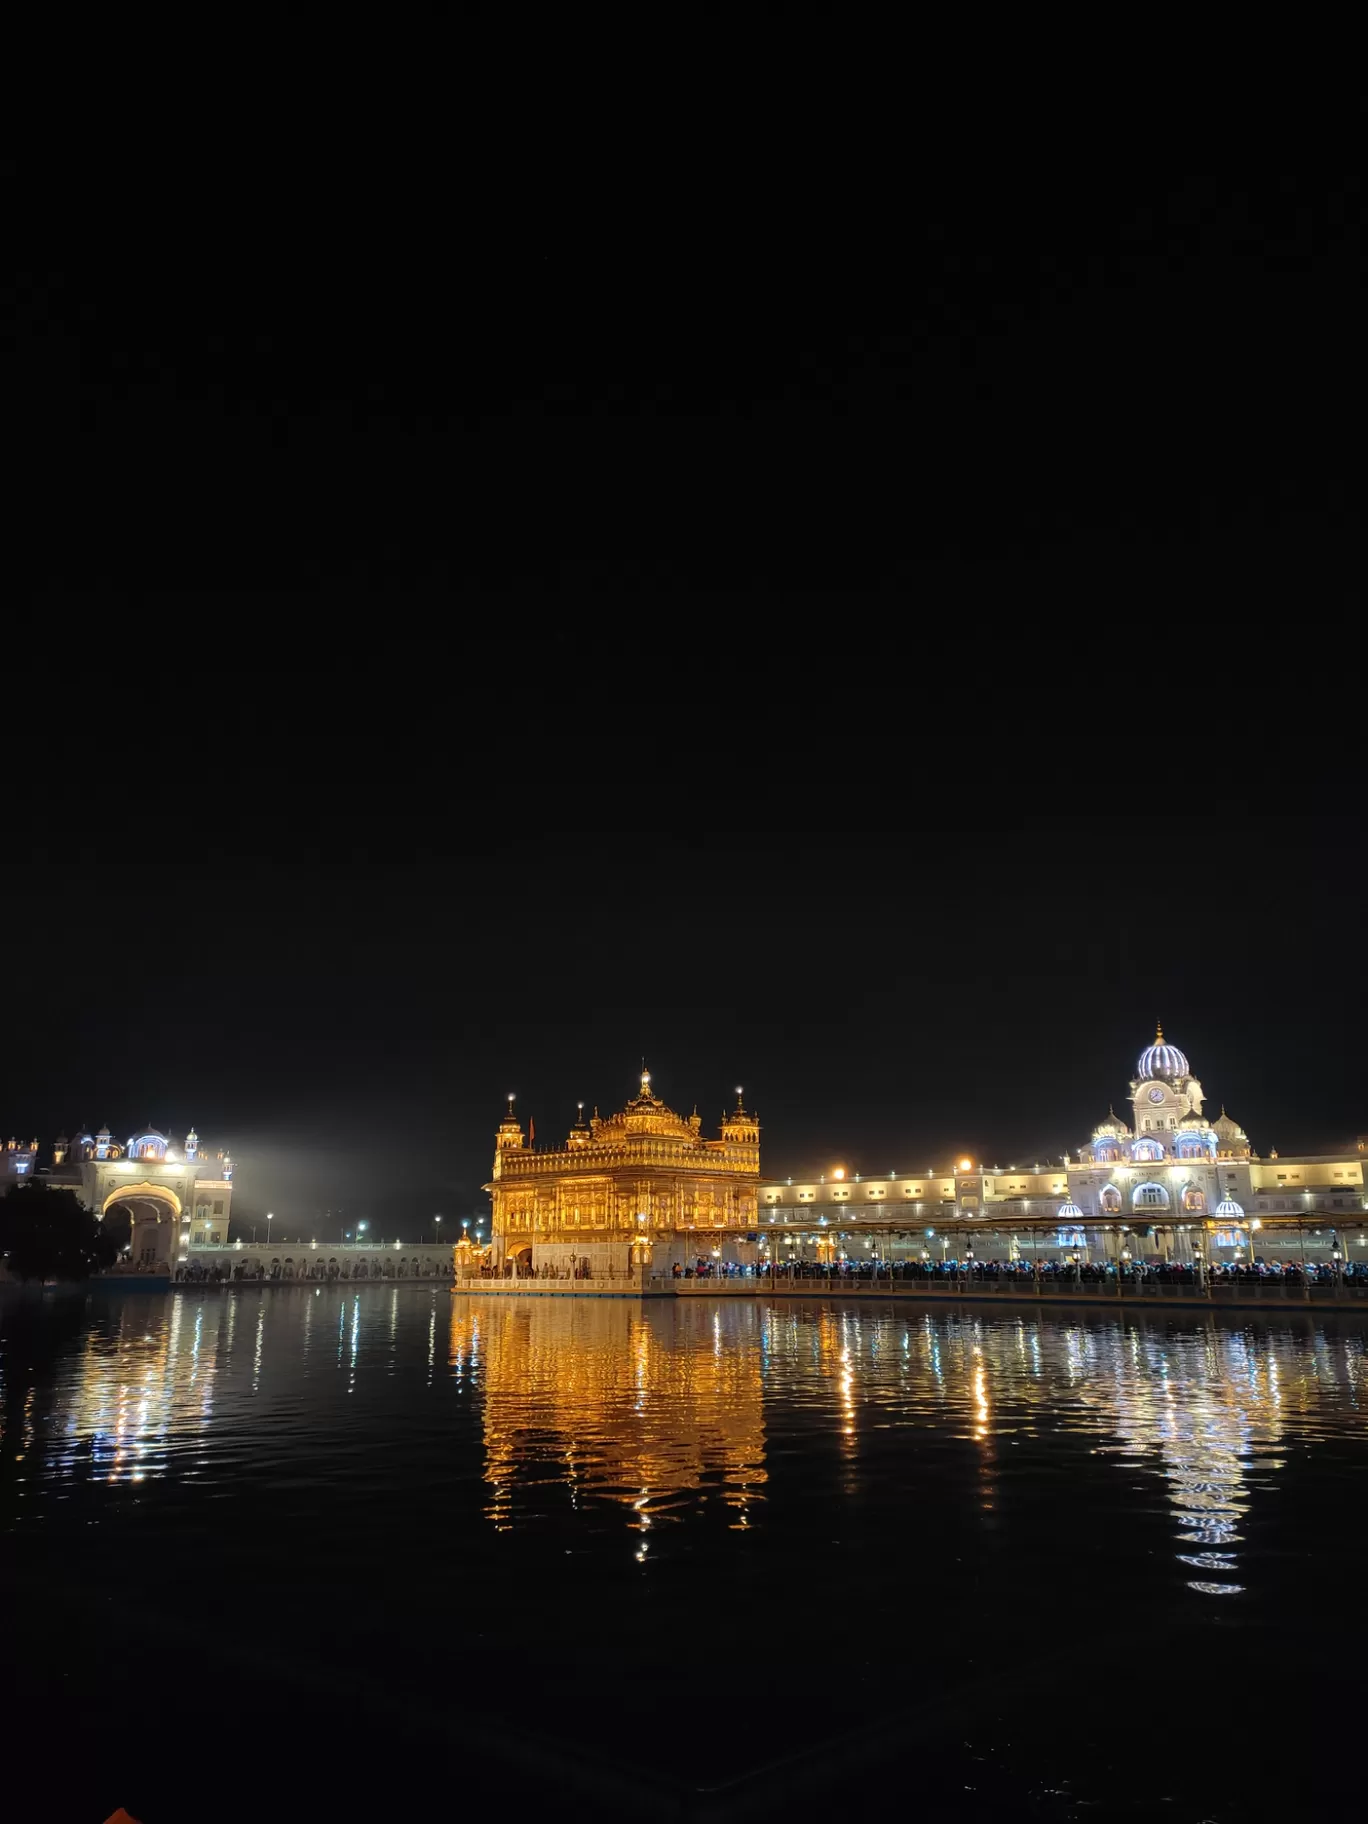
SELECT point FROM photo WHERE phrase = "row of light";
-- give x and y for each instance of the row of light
(838, 1171)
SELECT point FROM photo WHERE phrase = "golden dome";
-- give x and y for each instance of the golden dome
(644, 1114)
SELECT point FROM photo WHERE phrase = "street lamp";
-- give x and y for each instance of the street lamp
(270, 1218)
(438, 1221)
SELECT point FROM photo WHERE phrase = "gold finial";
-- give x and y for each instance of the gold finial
(1158, 1032)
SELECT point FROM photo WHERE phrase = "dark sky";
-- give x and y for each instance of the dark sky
(882, 649)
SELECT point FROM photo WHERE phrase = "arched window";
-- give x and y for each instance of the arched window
(1193, 1199)
(1106, 1152)
(1195, 1146)
(1147, 1149)
(1111, 1199)
(1149, 1197)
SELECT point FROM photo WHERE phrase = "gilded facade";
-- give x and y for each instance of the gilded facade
(643, 1186)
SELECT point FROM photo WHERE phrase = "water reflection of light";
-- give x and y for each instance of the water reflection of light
(1205, 1409)
(592, 1410)
(619, 1406)
(981, 1395)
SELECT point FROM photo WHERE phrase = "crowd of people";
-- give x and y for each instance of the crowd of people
(1060, 1271)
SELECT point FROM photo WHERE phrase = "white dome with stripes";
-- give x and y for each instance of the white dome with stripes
(1163, 1061)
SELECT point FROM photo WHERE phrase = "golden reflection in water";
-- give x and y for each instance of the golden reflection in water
(630, 1409)
(646, 1407)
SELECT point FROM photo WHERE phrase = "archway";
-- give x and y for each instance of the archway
(1149, 1197)
(154, 1215)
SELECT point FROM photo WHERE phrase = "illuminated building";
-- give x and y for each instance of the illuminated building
(1169, 1173)
(642, 1187)
(173, 1197)
(17, 1160)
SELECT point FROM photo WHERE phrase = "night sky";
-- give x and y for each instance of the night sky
(885, 658)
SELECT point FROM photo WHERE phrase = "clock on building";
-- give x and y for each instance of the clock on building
(1156, 1095)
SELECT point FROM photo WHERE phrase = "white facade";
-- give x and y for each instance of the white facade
(175, 1196)
(287, 1261)
(1166, 1163)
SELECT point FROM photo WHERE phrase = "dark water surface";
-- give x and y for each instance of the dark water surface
(730, 1558)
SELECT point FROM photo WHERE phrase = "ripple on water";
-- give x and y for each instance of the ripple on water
(1086, 1442)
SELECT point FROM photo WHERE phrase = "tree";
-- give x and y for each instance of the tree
(117, 1225)
(48, 1233)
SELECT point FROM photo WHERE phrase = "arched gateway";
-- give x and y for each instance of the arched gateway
(154, 1213)
(175, 1196)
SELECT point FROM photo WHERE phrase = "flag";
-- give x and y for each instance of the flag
(531, 1132)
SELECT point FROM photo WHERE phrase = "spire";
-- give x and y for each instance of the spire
(1158, 1032)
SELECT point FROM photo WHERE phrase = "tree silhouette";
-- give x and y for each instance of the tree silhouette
(47, 1233)
(118, 1226)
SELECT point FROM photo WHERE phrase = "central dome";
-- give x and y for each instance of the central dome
(645, 1114)
(1163, 1061)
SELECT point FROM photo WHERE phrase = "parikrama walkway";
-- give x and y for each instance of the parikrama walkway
(1148, 1295)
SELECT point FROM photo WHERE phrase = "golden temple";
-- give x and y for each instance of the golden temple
(641, 1186)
